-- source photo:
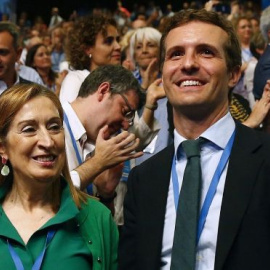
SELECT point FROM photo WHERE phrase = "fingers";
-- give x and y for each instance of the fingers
(152, 65)
(117, 149)
(157, 82)
(121, 136)
(266, 90)
(129, 143)
(103, 133)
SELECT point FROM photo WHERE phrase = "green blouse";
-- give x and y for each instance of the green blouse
(68, 248)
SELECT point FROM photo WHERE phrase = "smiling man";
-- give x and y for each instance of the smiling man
(105, 105)
(208, 208)
(9, 55)
(10, 72)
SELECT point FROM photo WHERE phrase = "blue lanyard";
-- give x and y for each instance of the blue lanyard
(73, 140)
(89, 187)
(17, 261)
(212, 188)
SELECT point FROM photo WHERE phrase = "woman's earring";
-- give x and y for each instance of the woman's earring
(90, 55)
(5, 169)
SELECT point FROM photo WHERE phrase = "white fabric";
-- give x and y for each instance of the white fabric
(80, 136)
(143, 132)
(218, 136)
(29, 74)
(52, 20)
(71, 85)
(248, 80)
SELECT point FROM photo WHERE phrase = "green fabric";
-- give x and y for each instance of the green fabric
(102, 238)
(69, 248)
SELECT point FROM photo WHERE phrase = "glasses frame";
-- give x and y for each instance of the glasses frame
(129, 116)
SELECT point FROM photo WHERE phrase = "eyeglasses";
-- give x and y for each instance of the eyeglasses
(129, 116)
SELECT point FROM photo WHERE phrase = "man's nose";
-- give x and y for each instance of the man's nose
(189, 61)
(126, 124)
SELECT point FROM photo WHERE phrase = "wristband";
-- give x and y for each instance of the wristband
(151, 107)
(106, 200)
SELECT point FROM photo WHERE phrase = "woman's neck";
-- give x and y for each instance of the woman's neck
(245, 44)
(30, 197)
(44, 74)
(29, 207)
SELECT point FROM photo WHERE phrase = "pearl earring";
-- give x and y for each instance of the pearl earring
(90, 55)
(5, 169)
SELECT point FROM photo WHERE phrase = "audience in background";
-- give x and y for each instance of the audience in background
(93, 42)
(262, 70)
(38, 57)
(57, 48)
(10, 55)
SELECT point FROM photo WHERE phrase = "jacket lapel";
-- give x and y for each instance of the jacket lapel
(154, 207)
(243, 167)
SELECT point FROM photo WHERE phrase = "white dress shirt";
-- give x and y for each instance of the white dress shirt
(80, 137)
(29, 74)
(218, 136)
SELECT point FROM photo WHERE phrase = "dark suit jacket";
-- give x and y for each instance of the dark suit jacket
(244, 229)
(22, 80)
(261, 73)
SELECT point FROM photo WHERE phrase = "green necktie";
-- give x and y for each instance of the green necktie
(184, 244)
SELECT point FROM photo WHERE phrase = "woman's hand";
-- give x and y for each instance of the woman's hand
(260, 109)
(151, 74)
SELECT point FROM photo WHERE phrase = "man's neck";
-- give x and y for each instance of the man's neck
(11, 79)
(79, 108)
(191, 127)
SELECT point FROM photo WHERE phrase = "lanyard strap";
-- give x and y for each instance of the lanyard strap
(89, 187)
(212, 188)
(17, 261)
(73, 139)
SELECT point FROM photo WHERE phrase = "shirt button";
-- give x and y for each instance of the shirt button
(89, 242)
(99, 260)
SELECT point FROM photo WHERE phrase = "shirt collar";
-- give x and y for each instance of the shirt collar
(78, 129)
(68, 210)
(219, 133)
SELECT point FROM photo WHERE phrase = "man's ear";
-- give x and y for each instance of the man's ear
(103, 90)
(235, 75)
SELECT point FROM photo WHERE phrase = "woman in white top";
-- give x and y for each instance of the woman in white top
(92, 42)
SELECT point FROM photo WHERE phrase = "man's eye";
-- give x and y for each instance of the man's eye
(4, 52)
(207, 52)
(176, 54)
